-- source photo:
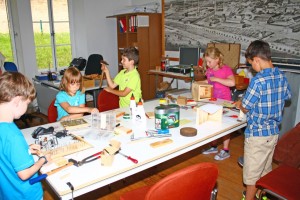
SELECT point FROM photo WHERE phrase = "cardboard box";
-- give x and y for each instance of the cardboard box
(201, 90)
(87, 83)
(93, 80)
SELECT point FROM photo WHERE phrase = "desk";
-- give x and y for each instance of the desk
(47, 90)
(92, 175)
(172, 75)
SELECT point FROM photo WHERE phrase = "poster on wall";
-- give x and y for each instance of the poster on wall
(195, 23)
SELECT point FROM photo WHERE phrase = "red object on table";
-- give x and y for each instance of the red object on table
(200, 62)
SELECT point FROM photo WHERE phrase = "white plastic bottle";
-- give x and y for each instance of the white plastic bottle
(132, 106)
(140, 112)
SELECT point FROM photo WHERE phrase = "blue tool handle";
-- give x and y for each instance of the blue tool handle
(165, 131)
(37, 179)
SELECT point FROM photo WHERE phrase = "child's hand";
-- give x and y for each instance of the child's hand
(238, 104)
(94, 110)
(213, 79)
(104, 68)
(34, 149)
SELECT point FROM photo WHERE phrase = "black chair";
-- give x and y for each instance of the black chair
(93, 65)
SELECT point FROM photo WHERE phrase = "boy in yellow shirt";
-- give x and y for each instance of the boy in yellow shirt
(128, 79)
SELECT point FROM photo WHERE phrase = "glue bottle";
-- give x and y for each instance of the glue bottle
(132, 105)
(140, 112)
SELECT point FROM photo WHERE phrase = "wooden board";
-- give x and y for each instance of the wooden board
(74, 124)
(78, 144)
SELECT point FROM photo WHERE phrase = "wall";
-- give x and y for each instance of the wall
(22, 21)
(93, 32)
(90, 29)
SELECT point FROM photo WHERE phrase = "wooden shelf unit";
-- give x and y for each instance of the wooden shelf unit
(147, 37)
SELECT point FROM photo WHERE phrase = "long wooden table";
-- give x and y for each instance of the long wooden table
(174, 76)
(91, 176)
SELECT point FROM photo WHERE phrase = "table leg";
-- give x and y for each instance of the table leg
(156, 84)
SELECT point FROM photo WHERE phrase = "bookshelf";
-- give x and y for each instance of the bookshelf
(144, 31)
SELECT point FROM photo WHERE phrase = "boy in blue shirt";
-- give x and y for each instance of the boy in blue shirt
(263, 104)
(17, 165)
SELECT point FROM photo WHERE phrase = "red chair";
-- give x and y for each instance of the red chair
(107, 101)
(284, 181)
(52, 112)
(193, 182)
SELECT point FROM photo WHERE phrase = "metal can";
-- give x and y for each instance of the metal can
(166, 116)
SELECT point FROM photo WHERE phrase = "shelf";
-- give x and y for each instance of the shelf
(147, 36)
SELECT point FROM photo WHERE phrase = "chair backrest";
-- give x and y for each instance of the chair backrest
(107, 101)
(193, 182)
(93, 65)
(288, 148)
(52, 112)
(10, 67)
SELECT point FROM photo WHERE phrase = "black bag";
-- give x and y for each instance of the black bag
(79, 63)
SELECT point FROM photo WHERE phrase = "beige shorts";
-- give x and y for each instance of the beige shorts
(258, 157)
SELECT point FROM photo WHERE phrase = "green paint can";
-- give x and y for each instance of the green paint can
(166, 116)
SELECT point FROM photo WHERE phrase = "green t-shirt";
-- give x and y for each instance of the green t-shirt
(131, 80)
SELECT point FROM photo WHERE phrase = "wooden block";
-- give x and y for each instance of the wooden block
(182, 101)
(119, 114)
(122, 130)
(188, 132)
(161, 143)
(106, 159)
(115, 144)
(150, 115)
(111, 150)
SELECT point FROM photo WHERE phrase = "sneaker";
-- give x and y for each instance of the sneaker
(210, 150)
(241, 161)
(222, 155)
(256, 196)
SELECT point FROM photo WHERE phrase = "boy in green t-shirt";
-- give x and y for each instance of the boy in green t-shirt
(128, 79)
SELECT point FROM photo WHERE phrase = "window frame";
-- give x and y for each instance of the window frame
(53, 44)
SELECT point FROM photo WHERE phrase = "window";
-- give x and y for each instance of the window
(51, 29)
(5, 39)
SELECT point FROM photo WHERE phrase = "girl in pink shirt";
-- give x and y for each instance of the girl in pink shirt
(222, 78)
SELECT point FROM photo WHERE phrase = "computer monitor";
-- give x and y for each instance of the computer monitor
(189, 55)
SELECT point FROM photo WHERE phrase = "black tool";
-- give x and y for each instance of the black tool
(61, 134)
(86, 160)
(42, 131)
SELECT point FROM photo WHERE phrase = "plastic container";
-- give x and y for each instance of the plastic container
(166, 116)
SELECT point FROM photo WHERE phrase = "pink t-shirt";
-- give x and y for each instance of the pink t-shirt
(219, 90)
